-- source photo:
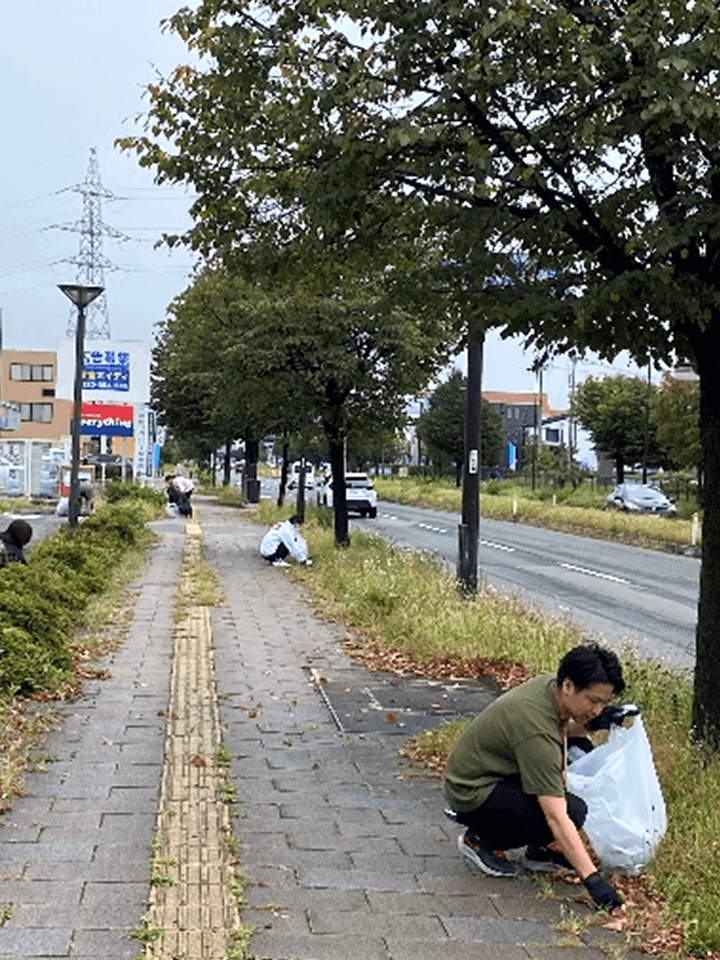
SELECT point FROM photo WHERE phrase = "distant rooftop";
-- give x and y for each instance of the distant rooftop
(522, 399)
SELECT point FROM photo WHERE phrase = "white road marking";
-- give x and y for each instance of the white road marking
(506, 549)
(595, 573)
(497, 546)
(428, 526)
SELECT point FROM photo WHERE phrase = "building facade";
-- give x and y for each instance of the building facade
(38, 385)
(522, 414)
(28, 378)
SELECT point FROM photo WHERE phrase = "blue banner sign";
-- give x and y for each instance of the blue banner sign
(106, 370)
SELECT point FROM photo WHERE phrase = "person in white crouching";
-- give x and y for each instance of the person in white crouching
(285, 540)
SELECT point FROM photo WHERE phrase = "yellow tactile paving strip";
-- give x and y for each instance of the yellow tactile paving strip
(191, 902)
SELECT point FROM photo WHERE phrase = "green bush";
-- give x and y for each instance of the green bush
(26, 665)
(86, 566)
(129, 490)
(119, 525)
(40, 603)
(21, 606)
(62, 585)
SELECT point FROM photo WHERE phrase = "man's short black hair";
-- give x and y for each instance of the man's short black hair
(20, 532)
(297, 519)
(589, 664)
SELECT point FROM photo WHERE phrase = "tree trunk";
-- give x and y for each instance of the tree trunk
(336, 435)
(706, 702)
(227, 464)
(619, 469)
(252, 487)
(337, 467)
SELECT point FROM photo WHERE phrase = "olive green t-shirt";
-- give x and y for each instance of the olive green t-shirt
(517, 735)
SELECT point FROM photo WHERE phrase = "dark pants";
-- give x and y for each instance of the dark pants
(510, 818)
(280, 554)
(181, 501)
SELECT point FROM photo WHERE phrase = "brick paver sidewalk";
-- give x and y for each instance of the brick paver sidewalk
(343, 847)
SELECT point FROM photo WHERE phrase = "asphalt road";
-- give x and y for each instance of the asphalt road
(625, 596)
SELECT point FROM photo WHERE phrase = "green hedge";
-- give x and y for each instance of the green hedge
(41, 603)
(128, 489)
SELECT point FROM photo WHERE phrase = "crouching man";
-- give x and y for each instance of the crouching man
(506, 778)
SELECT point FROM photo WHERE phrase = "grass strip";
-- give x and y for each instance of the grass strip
(573, 512)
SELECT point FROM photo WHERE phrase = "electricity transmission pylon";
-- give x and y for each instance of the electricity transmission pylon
(90, 261)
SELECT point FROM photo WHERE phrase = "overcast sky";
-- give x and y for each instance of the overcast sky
(72, 75)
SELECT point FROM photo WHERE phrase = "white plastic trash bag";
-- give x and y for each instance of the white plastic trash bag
(172, 510)
(626, 812)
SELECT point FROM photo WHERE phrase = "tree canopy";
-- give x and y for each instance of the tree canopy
(551, 166)
(564, 149)
(615, 411)
(238, 360)
(203, 387)
(676, 413)
(442, 426)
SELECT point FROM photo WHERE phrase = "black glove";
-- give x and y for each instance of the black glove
(604, 895)
(612, 714)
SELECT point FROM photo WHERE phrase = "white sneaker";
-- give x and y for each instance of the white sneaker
(280, 563)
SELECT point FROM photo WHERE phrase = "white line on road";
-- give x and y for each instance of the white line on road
(594, 573)
(427, 526)
(497, 546)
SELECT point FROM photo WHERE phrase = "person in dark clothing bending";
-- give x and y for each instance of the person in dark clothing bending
(12, 542)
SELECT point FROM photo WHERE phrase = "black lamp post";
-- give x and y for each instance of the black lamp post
(81, 296)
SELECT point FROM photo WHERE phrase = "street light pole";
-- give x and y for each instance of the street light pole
(81, 296)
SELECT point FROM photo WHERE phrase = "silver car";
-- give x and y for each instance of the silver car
(640, 498)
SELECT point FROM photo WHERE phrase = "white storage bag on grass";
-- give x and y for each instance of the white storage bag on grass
(626, 812)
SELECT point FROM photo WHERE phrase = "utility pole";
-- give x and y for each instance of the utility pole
(469, 528)
(647, 424)
(571, 421)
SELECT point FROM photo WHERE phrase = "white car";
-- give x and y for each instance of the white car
(359, 493)
(294, 475)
